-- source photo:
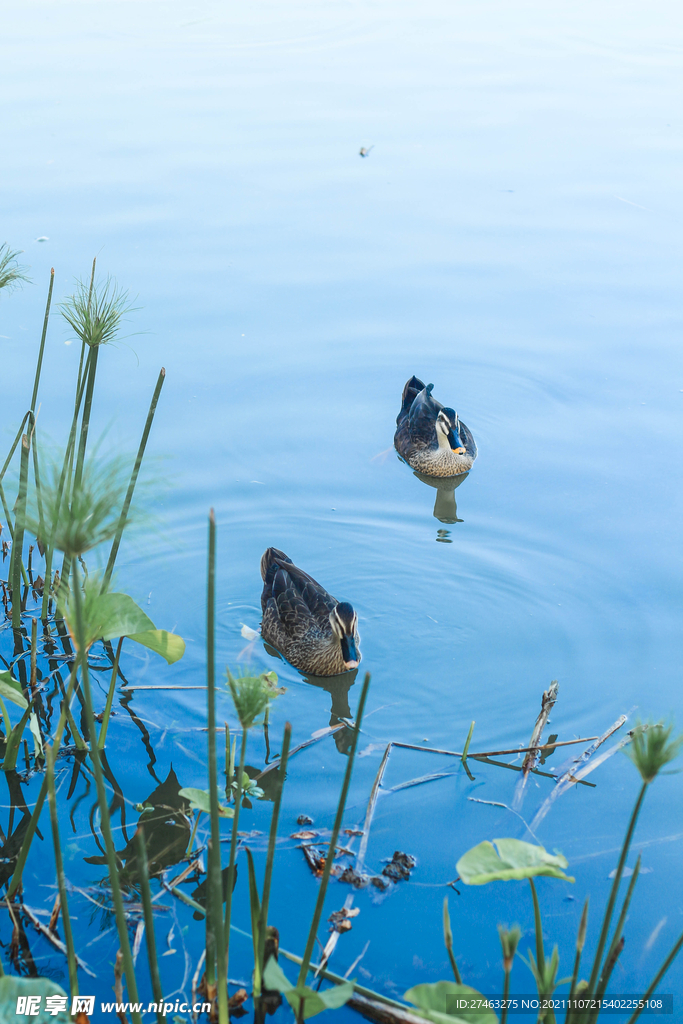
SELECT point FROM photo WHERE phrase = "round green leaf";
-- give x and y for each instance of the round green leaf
(200, 800)
(513, 859)
(439, 1003)
(169, 645)
(11, 989)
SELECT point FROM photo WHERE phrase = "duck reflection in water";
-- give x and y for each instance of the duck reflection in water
(338, 688)
(445, 508)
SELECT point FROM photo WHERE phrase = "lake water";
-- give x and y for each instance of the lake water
(512, 236)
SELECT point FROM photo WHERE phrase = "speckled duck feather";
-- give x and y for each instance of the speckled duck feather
(416, 439)
(296, 617)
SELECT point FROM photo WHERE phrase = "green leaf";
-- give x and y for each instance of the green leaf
(200, 800)
(169, 645)
(439, 1003)
(336, 996)
(275, 978)
(12, 988)
(10, 689)
(119, 615)
(313, 1002)
(513, 859)
(13, 741)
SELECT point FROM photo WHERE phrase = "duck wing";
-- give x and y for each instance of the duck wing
(300, 588)
(422, 417)
(283, 604)
(410, 392)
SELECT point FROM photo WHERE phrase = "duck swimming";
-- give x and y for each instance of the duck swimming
(430, 437)
(314, 632)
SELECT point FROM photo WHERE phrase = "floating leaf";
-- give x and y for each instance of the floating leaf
(12, 989)
(169, 645)
(513, 859)
(121, 616)
(200, 800)
(313, 1002)
(10, 689)
(439, 1003)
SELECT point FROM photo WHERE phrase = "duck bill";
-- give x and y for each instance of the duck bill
(349, 652)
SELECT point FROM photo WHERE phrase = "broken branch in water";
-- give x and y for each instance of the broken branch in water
(547, 704)
(51, 937)
(307, 743)
(572, 777)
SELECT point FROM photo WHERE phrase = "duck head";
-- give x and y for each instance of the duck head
(344, 622)
(448, 430)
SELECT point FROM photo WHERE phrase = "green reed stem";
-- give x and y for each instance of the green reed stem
(540, 954)
(467, 744)
(15, 443)
(19, 527)
(36, 380)
(580, 942)
(656, 980)
(87, 409)
(193, 833)
(65, 473)
(270, 858)
(329, 859)
(215, 881)
(613, 894)
(148, 915)
(613, 952)
(233, 849)
(133, 480)
(105, 822)
(448, 941)
(110, 696)
(506, 995)
(79, 377)
(59, 865)
(15, 881)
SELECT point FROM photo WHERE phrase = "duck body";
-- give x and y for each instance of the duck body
(316, 633)
(430, 437)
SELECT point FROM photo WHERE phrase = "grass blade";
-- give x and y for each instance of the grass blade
(215, 880)
(39, 365)
(317, 914)
(272, 839)
(59, 865)
(110, 696)
(540, 954)
(133, 480)
(105, 823)
(613, 894)
(149, 923)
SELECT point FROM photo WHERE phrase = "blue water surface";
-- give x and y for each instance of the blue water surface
(513, 236)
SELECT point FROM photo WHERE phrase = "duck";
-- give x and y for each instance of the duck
(314, 632)
(431, 438)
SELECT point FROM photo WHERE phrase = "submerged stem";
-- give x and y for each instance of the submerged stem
(329, 859)
(233, 849)
(59, 865)
(110, 696)
(105, 823)
(615, 888)
(214, 881)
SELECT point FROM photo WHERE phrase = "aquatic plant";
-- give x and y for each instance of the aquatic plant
(80, 504)
(11, 272)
